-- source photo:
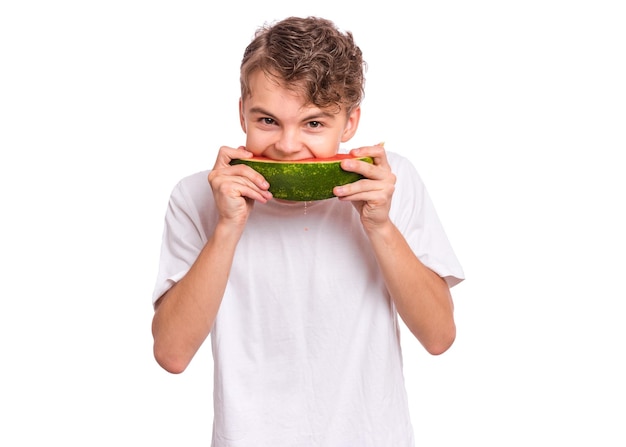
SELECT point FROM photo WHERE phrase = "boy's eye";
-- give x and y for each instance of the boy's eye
(315, 124)
(267, 121)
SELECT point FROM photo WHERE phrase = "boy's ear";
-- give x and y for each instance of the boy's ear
(242, 120)
(352, 124)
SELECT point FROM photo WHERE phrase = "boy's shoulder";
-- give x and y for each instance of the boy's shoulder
(395, 157)
(400, 163)
(196, 180)
(193, 187)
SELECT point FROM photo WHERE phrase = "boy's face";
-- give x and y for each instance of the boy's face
(281, 126)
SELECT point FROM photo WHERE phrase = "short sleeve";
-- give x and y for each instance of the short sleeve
(413, 212)
(184, 233)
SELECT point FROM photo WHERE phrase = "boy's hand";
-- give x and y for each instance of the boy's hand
(235, 188)
(372, 195)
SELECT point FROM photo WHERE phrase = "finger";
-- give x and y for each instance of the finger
(229, 182)
(226, 154)
(246, 172)
(381, 172)
(250, 193)
(366, 190)
(377, 153)
(235, 186)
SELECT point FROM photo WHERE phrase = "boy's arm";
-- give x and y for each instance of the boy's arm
(421, 297)
(184, 315)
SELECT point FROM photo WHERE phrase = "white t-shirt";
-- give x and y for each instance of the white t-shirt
(306, 342)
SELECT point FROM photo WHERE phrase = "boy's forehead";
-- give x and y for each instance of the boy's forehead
(263, 86)
(261, 82)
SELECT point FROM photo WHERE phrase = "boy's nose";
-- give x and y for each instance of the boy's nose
(288, 143)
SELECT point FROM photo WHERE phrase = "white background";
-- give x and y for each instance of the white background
(513, 112)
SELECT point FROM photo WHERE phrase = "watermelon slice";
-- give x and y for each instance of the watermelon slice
(303, 180)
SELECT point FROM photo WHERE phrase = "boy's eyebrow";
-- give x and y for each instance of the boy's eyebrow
(260, 111)
(320, 114)
(312, 117)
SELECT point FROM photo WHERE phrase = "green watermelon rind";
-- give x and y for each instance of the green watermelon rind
(303, 180)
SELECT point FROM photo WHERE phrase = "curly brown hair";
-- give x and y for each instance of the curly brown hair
(310, 56)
